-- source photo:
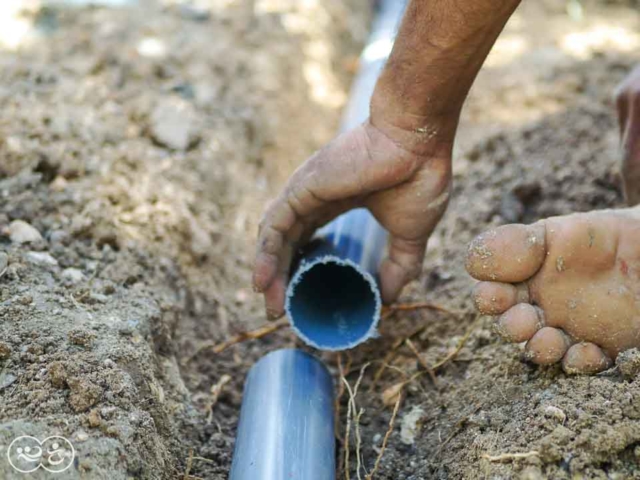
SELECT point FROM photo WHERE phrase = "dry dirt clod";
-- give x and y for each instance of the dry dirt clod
(628, 363)
(5, 351)
(81, 337)
(84, 394)
(57, 374)
(94, 418)
(21, 232)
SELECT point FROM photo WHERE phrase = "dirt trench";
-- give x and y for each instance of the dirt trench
(137, 149)
(142, 145)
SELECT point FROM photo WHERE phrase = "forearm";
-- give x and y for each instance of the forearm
(439, 49)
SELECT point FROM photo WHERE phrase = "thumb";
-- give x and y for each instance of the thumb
(402, 265)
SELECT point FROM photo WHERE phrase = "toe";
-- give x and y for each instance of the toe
(493, 298)
(547, 346)
(520, 323)
(585, 358)
(510, 253)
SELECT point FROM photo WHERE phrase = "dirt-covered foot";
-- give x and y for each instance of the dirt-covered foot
(568, 286)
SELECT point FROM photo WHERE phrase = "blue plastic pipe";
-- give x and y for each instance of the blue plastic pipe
(286, 421)
(333, 300)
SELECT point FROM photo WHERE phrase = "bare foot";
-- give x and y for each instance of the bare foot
(568, 286)
(628, 106)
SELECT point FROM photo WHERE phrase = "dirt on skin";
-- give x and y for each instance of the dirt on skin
(142, 146)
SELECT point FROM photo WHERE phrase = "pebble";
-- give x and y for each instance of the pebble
(411, 425)
(21, 232)
(173, 125)
(6, 380)
(556, 413)
(4, 262)
(72, 275)
(40, 258)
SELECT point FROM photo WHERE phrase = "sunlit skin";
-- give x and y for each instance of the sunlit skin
(568, 286)
(398, 163)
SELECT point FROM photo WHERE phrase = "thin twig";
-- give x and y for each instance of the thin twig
(386, 438)
(216, 390)
(459, 347)
(457, 427)
(202, 459)
(403, 307)
(422, 362)
(386, 361)
(352, 413)
(259, 332)
(509, 457)
(189, 463)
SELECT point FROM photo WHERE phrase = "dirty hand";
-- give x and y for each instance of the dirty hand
(628, 106)
(371, 166)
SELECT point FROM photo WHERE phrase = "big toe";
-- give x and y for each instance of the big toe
(510, 253)
(586, 358)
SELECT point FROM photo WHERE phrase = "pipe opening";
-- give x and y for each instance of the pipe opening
(333, 304)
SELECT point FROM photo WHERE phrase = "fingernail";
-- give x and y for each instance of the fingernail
(273, 314)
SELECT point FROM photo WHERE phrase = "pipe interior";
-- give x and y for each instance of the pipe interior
(333, 305)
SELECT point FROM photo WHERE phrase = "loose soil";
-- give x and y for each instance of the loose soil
(143, 144)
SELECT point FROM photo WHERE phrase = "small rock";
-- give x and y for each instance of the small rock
(554, 412)
(174, 125)
(5, 351)
(194, 13)
(84, 394)
(4, 262)
(25, 300)
(40, 258)
(411, 425)
(21, 232)
(241, 296)
(81, 436)
(6, 380)
(58, 237)
(628, 363)
(72, 275)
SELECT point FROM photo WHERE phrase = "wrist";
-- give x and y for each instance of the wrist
(430, 134)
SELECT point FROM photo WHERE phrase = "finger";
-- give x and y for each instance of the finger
(402, 265)
(274, 295)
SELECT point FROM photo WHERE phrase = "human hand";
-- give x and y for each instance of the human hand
(404, 180)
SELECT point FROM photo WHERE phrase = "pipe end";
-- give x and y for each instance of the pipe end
(333, 303)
